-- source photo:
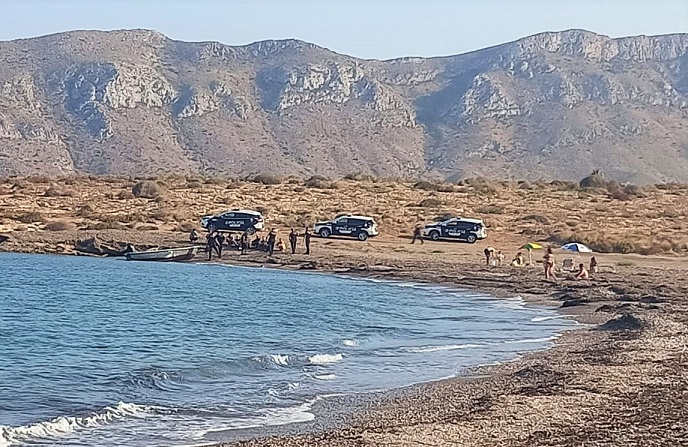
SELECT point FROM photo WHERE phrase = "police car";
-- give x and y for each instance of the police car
(360, 227)
(234, 220)
(469, 230)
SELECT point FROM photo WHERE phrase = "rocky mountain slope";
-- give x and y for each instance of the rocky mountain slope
(553, 105)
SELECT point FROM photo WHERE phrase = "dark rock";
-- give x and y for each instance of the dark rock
(3, 238)
(311, 265)
(626, 322)
(574, 302)
(94, 246)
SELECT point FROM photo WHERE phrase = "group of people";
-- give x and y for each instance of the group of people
(495, 257)
(217, 241)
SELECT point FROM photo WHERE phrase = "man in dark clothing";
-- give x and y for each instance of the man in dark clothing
(292, 241)
(271, 242)
(193, 236)
(210, 245)
(307, 239)
(219, 243)
(243, 243)
(417, 235)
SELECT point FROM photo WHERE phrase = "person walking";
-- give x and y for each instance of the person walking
(219, 244)
(307, 240)
(292, 241)
(210, 245)
(243, 243)
(417, 235)
(271, 241)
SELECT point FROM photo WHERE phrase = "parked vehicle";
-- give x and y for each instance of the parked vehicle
(168, 254)
(235, 220)
(360, 227)
(469, 230)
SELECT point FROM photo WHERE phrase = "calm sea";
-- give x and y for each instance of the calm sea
(104, 352)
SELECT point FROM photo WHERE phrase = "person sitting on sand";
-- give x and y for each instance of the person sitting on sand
(593, 265)
(281, 246)
(582, 273)
(518, 261)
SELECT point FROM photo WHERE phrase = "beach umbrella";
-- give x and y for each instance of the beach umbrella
(575, 246)
(530, 246)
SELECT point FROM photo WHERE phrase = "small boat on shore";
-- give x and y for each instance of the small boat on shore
(167, 254)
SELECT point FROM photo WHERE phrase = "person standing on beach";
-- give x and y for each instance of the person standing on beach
(417, 235)
(489, 254)
(243, 243)
(292, 241)
(219, 243)
(549, 264)
(271, 241)
(307, 239)
(210, 245)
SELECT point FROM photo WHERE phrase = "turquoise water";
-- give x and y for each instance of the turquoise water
(104, 352)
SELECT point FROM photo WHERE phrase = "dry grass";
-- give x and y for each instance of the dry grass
(647, 220)
(60, 225)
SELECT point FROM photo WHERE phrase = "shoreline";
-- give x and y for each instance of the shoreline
(604, 378)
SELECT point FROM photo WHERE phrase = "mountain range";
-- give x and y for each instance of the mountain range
(552, 105)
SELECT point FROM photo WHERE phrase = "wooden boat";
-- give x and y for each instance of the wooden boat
(168, 254)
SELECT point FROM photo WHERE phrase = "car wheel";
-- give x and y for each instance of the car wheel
(324, 232)
(362, 236)
(471, 239)
(251, 231)
(435, 235)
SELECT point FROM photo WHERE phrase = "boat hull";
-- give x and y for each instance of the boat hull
(167, 255)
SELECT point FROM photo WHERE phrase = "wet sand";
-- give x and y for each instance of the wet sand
(622, 381)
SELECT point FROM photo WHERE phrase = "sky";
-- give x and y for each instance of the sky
(377, 29)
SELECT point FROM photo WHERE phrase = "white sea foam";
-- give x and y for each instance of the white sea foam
(280, 359)
(535, 340)
(271, 417)
(553, 317)
(350, 343)
(63, 425)
(325, 377)
(441, 348)
(323, 359)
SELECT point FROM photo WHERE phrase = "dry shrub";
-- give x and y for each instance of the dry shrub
(85, 210)
(262, 210)
(430, 202)
(194, 184)
(670, 213)
(161, 214)
(30, 217)
(125, 195)
(536, 218)
(594, 180)
(633, 190)
(145, 227)
(491, 209)
(38, 179)
(618, 194)
(185, 227)
(445, 187)
(266, 179)
(55, 191)
(482, 185)
(60, 225)
(319, 182)
(359, 177)
(147, 189)
(562, 185)
(425, 185)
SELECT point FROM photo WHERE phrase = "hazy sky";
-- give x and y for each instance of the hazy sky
(364, 28)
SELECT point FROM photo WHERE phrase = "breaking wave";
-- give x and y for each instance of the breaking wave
(64, 425)
(441, 348)
(324, 359)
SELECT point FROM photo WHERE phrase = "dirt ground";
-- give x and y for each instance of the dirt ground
(621, 382)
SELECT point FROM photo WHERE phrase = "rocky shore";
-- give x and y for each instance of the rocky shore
(620, 381)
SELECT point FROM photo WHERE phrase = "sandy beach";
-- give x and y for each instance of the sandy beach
(620, 381)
